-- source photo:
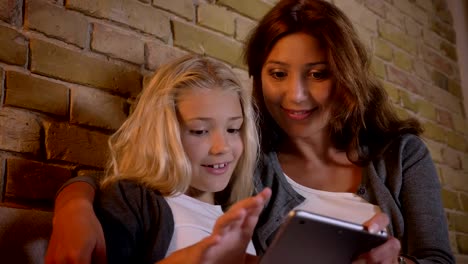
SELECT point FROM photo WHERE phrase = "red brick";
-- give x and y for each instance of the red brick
(31, 180)
(438, 61)
(130, 12)
(52, 60)
(74, 144)
(57, 22)
(34, 93)
(97, 108)
(445, 118)
(20, 131)
(13, 46)
(405, 80)
(11, 11)
(160, 53)
(118, 44)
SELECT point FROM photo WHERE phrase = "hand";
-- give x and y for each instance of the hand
(230, 238)
(77, 236)
(385, 253)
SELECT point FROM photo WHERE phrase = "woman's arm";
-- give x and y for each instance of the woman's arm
(77, 236)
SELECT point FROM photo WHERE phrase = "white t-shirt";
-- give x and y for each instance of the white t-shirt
(341, 205)
(193, 221)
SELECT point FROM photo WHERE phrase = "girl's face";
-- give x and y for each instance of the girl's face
(210, 122)
(297, 85)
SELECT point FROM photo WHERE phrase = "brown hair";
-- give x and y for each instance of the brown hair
(363, 121)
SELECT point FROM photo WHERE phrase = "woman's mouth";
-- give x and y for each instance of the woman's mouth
(298, 114)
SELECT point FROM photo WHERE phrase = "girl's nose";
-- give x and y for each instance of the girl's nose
(297, 90)
(219, 144)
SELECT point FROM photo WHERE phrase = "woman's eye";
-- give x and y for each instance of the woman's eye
(278, 74)
(198, 132)
(318, 75)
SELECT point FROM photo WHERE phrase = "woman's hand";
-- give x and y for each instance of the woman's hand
(230, 238)
(386, 253)
(77, 236)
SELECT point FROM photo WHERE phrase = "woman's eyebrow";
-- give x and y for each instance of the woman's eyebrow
(281, 63)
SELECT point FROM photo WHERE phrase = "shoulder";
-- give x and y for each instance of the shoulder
(411, 148)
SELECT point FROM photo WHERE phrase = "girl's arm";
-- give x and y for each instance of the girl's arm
(77, 236)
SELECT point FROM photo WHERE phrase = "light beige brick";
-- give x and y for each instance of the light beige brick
(118, 44)
(217, 18)
(76, 145)
(457, 222)
(450, 199)
(445, 99)
(426, 5)
(20, 131)
(395, 17)
(453, 242)
(402, 113)
(464, 201)
(403, 61)
(462, 243)
(434, 132)
(184, 8)
(34, 93)
(13, 46)
(378, 68)
(206, 42)
(421, 70)
(397, 37)
(96, 108)
(130, 12)
(57, 22)
(243, 27)
(440, 63)
(448, 50)
(456, 141)
(383, 50)
(392, 92)
(455, 179)
(409, 102)
(34, 181)
(73, 66)
(443, 30)
(255, 9)
(435, 149)
(413, 28)
(431, 39)
(11, 11)
(459, 123)
(378, 7)
(427, 110)
(452, 158)
(160, 53)
(440, 79)
(455, 88)
(405, 80)
(358, 13)
(445, 118)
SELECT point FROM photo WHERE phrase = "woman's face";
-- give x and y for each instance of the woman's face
(297, 85)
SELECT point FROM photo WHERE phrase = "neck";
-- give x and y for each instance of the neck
(206, 197)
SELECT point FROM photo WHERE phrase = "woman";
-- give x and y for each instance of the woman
(330, 138)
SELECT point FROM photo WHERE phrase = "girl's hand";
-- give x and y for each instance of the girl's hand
(230, 238)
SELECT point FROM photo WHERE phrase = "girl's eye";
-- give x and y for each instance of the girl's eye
(198, 132)
(318, 75)
(279, 75)
(233, 130)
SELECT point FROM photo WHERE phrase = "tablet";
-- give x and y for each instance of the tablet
(306, 237)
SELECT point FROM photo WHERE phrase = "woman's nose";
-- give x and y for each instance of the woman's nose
(297, 90)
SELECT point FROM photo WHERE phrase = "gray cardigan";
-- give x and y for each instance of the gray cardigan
(404, 183)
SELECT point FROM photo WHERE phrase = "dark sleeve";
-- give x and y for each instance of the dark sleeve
(137, 223)
(90, 178)
(426, 232)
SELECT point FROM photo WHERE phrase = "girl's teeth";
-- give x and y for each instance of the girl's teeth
(217, 166)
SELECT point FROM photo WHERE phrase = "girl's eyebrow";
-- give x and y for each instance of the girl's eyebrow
(280, 63)
(209, 118)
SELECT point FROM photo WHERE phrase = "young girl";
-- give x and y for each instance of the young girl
(187, 152)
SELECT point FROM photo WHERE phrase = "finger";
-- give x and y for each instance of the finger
(99, 253)
(233, 218)
(378, 222)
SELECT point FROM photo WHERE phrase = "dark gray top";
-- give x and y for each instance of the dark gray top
(404, 183)
(137, 223)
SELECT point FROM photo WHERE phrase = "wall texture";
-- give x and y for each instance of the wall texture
(69, 70)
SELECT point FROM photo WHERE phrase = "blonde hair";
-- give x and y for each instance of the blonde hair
(147, 147)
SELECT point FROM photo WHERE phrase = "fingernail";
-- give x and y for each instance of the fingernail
(373, 228)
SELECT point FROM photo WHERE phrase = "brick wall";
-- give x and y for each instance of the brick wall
(69, 70)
